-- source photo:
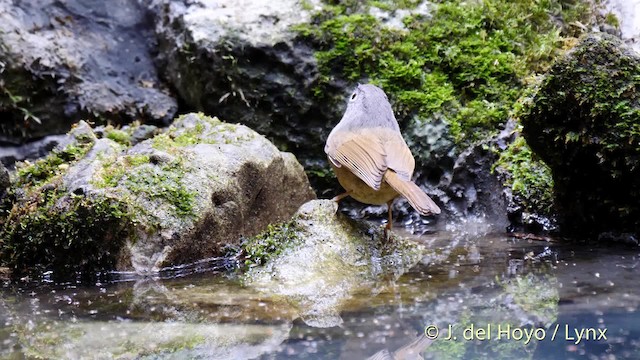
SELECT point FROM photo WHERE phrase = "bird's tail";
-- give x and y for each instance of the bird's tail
(416, 196)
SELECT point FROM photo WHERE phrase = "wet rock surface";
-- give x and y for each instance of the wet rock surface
(331, 258)
(180, 196)
(583, 122)
(5, 180)
(66, 61)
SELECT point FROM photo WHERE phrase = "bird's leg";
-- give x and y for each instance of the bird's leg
(390, 220)
(341, 196)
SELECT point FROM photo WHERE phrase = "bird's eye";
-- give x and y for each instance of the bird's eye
(354, 96)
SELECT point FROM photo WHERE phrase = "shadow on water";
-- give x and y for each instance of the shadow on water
(484, 296)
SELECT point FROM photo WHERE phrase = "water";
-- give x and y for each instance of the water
(503, 297)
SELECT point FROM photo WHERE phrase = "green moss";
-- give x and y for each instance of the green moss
(183, 343)
(54, 164)
(40, 234)
(468, 61)
(137, 160)
(391, 5)
(270, 243)
(163, 142)
(535, 294)
(114, 169)
(529, 178)
(208, 131)
(583, 122)
(612, 20)
(119, 136)
(173, 139)
(163, 182)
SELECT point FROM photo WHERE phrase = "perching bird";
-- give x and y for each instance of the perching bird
(369, 156)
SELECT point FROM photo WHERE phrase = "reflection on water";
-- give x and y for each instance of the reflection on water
(489, 296)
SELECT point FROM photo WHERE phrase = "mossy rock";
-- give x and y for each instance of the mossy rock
(584, 122)
(183, 195)
(321, 258)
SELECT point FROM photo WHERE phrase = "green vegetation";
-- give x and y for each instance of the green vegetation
(468, 61)
(162, 182)
(117, 135)
(114, 169)
(44, 170)
(20, 103)
(208, 131)
(583, 122)
(40, 233)
(529, 177)
(270, 243)
(535, 293)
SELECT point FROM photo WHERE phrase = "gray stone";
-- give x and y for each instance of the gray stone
(5, 180)
(65, 61)
(628, 14)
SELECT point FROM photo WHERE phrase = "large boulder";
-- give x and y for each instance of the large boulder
(65, 61)
(183, 195)
(584, 122)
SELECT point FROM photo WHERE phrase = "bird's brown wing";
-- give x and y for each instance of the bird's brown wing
(362, 152)
(399, 157)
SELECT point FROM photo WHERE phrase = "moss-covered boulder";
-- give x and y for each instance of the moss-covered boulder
(323, 258)
(62, 62)
(99, 204)
(584, 122)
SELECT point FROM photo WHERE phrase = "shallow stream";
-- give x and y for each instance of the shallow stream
(484, 296)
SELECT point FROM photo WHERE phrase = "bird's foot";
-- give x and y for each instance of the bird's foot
(387, 232)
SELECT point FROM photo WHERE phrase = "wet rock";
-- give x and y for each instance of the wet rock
(180, 196)
(243, 60)
(583, 122)
(473, 190)
(329, 259)
(66, 61)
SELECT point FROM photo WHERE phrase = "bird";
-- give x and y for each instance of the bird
(369, 156)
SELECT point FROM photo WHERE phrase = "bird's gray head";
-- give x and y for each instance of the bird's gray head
(368, 106)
